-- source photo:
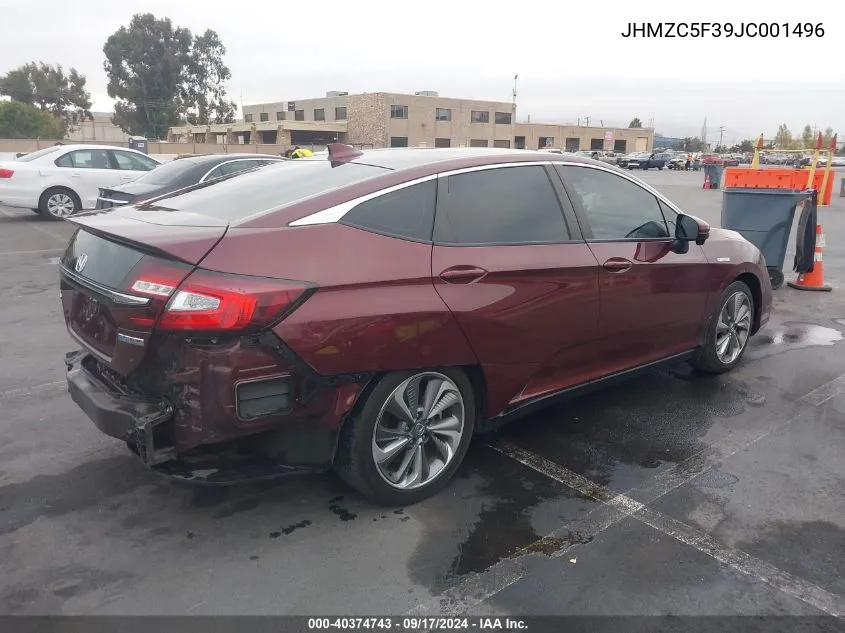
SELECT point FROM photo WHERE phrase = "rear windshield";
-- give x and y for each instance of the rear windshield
(169, 172)
(269, 188)
(42, 152)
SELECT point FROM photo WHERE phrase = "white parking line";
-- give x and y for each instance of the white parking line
(57, 386)
(38, 252)
(615, 507)
(737, 560)
(34, 227)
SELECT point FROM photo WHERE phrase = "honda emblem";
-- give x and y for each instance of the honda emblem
(80, 262)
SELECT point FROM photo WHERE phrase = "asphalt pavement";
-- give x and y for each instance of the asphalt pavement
(671, 494)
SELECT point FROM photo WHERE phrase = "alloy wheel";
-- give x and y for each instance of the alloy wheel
(733, 327)
(418, 431)
(60, 205)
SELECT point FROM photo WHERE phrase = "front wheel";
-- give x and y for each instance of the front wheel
(409, 437)
(728, 332)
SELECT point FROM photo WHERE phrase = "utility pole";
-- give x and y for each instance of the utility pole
(721, 132)
(515, 77)
(587, 119)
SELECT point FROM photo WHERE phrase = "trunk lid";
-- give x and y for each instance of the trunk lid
(106, 256)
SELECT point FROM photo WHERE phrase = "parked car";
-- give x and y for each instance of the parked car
(327, 313)
(646, 160)
(60, 180)
(179, 174)
(838, 161)
(678, 161)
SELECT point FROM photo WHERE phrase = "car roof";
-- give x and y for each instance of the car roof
(434, 160)
(213, 159)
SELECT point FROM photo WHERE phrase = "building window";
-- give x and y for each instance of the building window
(398, 112)
(291, 106)
(443, 114)
(546, 141)
(573, 144)
(442, 142)
(502, 144)
(280, 116)
(299, 115)
(480, 116)
(478, 142)
(620, 145)
(319, 114)
(264, 116)
(398, 141)
(247, 118)
(340, 113)
(596, 143)
(503, 118)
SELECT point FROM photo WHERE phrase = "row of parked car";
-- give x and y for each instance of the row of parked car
(61, 180)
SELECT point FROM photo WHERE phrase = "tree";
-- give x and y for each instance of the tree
(24, 120)
(808, 141)
(48, 87)
(161, 75)
(694, 144)
(783, 138)
(747, 146)
(635, 122)
(827, 137)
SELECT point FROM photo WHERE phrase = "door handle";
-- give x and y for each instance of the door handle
(617, 265)
(462, 274)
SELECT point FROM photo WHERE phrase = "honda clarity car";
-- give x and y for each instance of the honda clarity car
(179, 174)
(373, 311)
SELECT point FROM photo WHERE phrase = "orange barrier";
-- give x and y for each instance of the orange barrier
(779, 179)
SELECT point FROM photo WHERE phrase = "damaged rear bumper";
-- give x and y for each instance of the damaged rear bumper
(129, 417)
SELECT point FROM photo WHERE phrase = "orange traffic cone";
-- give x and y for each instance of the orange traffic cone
(813, 280)
(707, 181)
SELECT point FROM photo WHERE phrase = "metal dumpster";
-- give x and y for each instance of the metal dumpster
(763, 217)
(715, 172)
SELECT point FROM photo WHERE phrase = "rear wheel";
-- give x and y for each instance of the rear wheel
(727, 334)
(58, 203)
(409, 437)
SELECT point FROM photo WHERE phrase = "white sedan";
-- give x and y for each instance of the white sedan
(60, 180)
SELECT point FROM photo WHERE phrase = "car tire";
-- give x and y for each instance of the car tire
(373, 430)
(660, 168)
(58, 203)
(730, 325)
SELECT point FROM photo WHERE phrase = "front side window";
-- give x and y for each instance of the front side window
(509, 205)
(85, 159)
(616, 208)
(406, 213)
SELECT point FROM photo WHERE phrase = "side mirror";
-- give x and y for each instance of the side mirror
(690, 229)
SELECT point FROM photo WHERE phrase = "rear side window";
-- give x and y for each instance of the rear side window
(268, 189)
(133, 162)
(85, 159)
(511, 205)
(407, 213)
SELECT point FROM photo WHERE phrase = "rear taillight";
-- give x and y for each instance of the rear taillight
(207, 301)
(6, 173)
(217, 302)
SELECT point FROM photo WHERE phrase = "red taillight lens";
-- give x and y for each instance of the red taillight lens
(158, 280)
(216, 302)
(6, 173)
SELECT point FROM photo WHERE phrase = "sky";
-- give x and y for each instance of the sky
(571, 57)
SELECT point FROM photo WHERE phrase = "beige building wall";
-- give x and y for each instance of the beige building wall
(101, 129)
(287, 110)
(574, 138)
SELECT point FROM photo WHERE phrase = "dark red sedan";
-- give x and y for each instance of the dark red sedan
(372, 311)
